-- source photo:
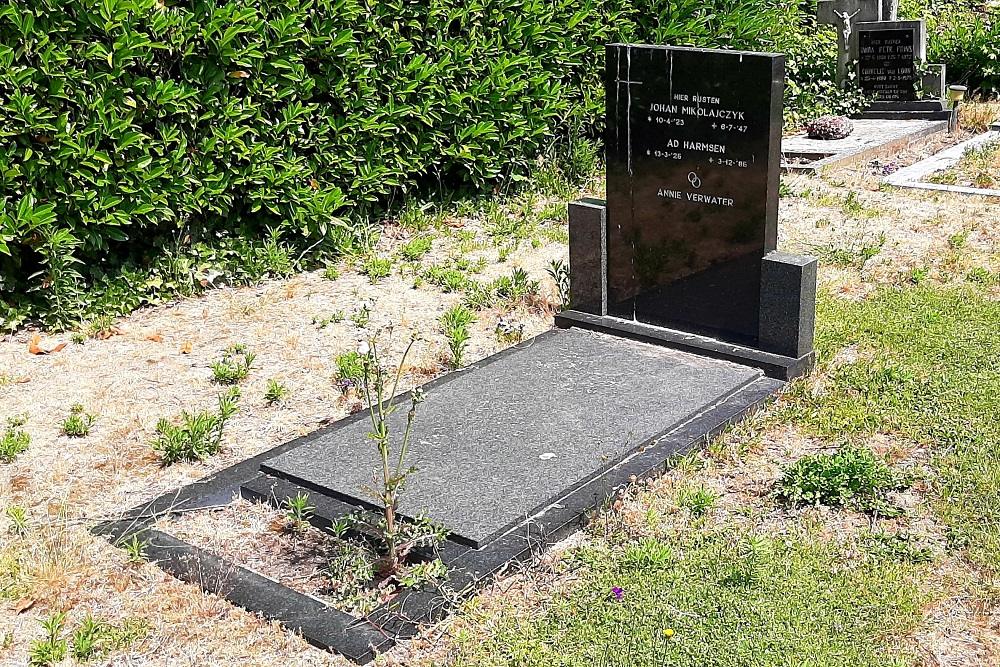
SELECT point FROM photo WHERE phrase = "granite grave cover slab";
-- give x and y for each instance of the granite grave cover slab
(361, 638)
(494, 446)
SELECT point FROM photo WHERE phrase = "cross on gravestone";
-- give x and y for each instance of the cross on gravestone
(843, 15)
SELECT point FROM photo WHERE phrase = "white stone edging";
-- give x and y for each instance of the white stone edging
(912, 176)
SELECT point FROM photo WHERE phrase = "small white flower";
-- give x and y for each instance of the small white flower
(364, 348)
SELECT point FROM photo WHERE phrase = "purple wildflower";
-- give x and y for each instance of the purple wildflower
(618, 593)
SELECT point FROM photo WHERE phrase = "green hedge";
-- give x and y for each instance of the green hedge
(125, 121)
(966, 36)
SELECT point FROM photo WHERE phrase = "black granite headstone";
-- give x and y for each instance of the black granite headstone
(693, 147)
(887, 63)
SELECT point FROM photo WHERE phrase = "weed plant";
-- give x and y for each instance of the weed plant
(52, 647)
(196, 436)
(376, 268)
(416, 248)
(559, 271)
(14, 441)
(379, 386)
(455, 326)
(78, 423)
(851, 477)
(234, 366)
(275, 392)
(298, 513)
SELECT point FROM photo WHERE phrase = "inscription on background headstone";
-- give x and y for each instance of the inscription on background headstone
(887, 64)
(693, 150)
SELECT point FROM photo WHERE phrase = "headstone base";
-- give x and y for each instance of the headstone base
(917, 110)
(776, 366)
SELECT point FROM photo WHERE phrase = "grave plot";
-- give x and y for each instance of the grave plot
(685, 320)
(970, 168)
(509, 456)
(888, 60)
(871, 138)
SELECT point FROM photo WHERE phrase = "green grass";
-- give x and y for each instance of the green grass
(926, 371)
(725, 600)
(416, 248)
(850, 477)
(376, 268)
(12, 575)
(697, 500)
(929, 371)
(978, 168)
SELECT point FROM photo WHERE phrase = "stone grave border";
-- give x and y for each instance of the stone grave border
(837, 159)
(360, 639)
(913, 176)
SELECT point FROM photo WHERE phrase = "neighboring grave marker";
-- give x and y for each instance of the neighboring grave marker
(887, 56)
(844, 15)
(693, 159)
(888, 53)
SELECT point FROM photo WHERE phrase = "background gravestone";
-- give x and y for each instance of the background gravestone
(844, 15)
(888, 57)
(693, 157)
(888, 54)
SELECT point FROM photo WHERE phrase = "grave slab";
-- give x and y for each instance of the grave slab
(497, 444)
(871, 138)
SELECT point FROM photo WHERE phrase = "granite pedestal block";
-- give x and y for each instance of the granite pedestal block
(787, 304)
(786, 294)
(588, 256)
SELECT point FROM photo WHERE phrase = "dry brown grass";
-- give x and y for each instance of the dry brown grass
(977, 115)
(131, 379)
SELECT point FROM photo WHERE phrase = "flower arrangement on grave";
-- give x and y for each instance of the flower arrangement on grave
(830, 127)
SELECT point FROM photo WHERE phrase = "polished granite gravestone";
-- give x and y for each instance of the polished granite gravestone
(888, 53)
(495, 445)
(677, 253)
(693, 144)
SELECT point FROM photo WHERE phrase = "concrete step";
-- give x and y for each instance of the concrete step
(918, 105)
(904, 115)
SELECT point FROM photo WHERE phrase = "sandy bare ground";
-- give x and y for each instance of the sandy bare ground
(131, 380)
